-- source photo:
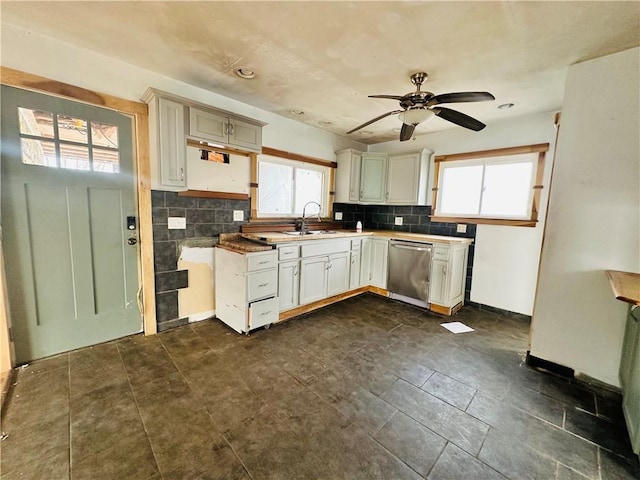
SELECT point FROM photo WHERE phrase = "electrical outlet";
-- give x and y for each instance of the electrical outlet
(338, 215)
(461, 228)
(238, 215)
(398, 220)
(176, 223)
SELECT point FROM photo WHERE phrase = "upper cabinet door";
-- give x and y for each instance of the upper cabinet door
(208, 126)
(245, 135)
(403, 178)
(172, 143)
(373, 174)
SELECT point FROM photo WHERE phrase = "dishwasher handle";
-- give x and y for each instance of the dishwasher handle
(419, 247)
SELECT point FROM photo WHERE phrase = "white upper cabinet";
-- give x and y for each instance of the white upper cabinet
(373, 176)
(395, 179)
(348, 176)
(167, 143)
(224, 129)
(407, 177)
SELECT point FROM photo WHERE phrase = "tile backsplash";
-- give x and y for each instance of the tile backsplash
(206, 218)
(415, 219)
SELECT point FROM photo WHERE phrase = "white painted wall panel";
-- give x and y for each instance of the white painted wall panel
(593, 222)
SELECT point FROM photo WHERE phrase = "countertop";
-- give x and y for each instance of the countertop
(235, 243)
(625, 286)
(279, 237)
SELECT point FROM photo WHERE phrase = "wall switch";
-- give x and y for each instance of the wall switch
(461, 228)
(338, 215)
(238, 215)
(398, 220)
(176, 223)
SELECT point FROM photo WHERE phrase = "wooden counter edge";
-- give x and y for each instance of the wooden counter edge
(625, 286)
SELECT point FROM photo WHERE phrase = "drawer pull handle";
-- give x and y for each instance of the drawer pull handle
(262, 285)
(265, 313)
(263, 263)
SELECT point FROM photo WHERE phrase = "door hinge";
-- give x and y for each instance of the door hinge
(10, 331)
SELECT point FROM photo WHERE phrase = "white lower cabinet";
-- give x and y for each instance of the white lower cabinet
(313, 279)
(448, 277)
(288, 284)
(630, 377)
(354, 271)
(379, 261)
(246, 286)
(338, 273)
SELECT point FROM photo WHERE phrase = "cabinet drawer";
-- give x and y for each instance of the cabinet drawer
(440, 253)
(288, 252)
(262, 284)
(263, 313)
(262, 262)
(325, 248)
(356, 244)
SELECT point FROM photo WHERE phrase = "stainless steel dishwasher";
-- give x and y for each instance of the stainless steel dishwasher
(409, 271)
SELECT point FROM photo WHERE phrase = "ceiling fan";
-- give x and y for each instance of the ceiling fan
(418, 107)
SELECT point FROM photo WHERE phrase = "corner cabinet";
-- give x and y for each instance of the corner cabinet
(173, 119)
(380, 178)
(348, 176)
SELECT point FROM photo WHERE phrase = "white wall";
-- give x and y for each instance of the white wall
(593, 223)
(505, 266)
(37, 54)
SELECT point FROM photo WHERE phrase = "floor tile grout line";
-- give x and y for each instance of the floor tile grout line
(144, 426)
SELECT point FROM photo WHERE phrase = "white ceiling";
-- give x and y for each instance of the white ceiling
(324, 58)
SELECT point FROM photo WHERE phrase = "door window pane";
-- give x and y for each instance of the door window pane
(275, 188)
(38, 152)
(460, 190)
(72, 129)
(507, 190)
(75, 157)
(35, 122)
(104, 135)
(106, 160)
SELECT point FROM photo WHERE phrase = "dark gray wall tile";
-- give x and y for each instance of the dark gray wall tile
(166, 306)
(172, 280)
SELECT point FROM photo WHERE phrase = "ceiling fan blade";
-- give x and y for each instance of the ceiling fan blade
(390, 97)
(459, 118)
(460, 97)
(406, 132)
(374, 120)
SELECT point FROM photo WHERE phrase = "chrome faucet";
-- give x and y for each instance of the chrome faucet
(303, 224)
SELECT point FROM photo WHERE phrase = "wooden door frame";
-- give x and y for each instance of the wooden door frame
(139, 112)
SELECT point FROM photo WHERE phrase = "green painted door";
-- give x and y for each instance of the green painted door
(67, 188)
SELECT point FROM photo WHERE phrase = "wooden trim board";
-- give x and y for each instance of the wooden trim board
(274, 152)
(209, 194)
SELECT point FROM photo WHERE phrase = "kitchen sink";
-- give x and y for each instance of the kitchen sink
(310, 232)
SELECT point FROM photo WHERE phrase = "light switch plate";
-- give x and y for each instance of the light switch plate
(398, 220)
(461, 228)
(238, 215)
(338, 215)
(176, 223)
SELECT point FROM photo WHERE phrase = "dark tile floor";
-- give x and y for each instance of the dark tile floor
(364, 389)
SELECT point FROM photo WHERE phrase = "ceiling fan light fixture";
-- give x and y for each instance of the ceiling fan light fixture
(414, 116)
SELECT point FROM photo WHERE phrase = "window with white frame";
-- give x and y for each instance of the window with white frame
(285, 186)
(496, 186)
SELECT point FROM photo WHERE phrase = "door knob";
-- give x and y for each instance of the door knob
(132, 240)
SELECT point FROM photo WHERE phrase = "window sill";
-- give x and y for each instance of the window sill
(486, 221)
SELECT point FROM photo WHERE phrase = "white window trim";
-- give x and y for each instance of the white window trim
(493, 157)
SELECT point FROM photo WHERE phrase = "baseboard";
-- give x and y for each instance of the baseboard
(552, 367)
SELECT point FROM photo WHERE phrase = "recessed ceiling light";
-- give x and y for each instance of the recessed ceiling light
(246, 73)
(297, 112)
(505, 106)
(366, 133)
(325, 123)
